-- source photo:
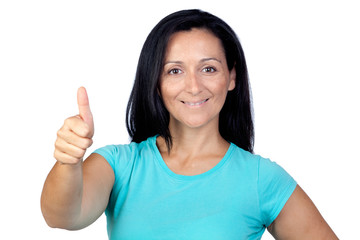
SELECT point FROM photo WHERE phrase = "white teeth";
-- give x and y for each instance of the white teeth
(195, 104)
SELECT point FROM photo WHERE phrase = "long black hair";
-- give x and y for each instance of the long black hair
(146, 114)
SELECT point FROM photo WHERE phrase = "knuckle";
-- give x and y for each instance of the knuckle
(84, 143)
(57, 144)
(82, 153)
(59, 157)
(60, 133)
(60, 144)
(90, 142)
(85, 130)
(67, 121)
(79, 153)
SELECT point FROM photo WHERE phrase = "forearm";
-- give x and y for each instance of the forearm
(62, 195)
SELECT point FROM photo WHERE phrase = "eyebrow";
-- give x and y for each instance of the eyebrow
(202, 60)
(210, 59)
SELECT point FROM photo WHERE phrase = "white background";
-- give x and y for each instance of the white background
(303, 60)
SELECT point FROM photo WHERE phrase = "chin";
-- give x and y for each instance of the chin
(194, 121)
(197, 123)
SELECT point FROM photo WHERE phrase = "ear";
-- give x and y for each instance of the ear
(232, 78)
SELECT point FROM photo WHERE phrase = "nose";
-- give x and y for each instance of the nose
(193, 84)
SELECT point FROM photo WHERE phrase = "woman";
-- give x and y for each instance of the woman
(189, 172)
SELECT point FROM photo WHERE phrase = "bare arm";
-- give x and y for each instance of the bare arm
(74, 196)
(76, 193)
(300, 219)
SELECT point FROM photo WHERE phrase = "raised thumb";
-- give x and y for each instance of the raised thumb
(84, 107)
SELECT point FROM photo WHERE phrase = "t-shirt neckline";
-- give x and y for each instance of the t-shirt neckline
(162, 163)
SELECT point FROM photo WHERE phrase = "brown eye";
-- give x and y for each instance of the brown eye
(209, 69)
(175, 71)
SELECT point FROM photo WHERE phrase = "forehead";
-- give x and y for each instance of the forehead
(201, 41)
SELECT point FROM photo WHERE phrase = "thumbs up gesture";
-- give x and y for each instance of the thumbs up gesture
(75, 136)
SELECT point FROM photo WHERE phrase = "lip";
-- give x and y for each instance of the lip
(195, 104)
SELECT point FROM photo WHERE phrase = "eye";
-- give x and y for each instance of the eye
(174, 71)
(209, 70)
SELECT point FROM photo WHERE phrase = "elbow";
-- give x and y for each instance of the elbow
(53, 220)
(53, 223)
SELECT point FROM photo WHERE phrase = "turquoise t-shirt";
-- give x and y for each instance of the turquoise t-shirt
(237, 199)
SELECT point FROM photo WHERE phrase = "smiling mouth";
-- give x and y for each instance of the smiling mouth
(195, 103)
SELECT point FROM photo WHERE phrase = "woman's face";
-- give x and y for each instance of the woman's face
(195, 78)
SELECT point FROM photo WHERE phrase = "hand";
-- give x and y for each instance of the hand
(75, 136)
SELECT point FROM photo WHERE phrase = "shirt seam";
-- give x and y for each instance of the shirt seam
(258, 194)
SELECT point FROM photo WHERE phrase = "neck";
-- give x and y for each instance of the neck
(194, 141)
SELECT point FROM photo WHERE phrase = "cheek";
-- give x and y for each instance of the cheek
(170, 87)
(220, 88)
(168, 93)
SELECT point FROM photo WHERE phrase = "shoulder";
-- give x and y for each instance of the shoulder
(244, 156)
(273, 184)
(120, 155)
(265, 167)
(246, 160)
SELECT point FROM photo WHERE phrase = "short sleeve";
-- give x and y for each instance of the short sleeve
(275, 187)
(118, 156)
